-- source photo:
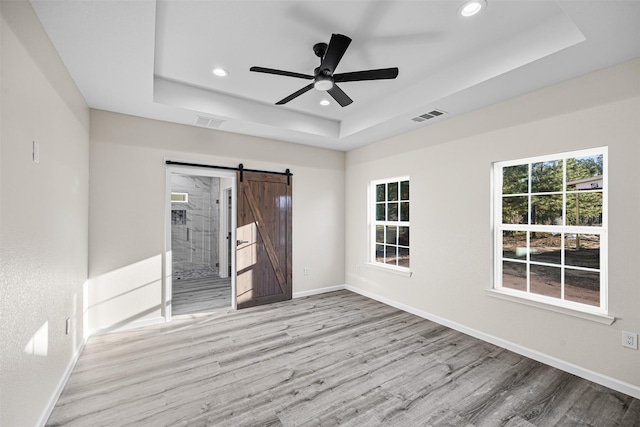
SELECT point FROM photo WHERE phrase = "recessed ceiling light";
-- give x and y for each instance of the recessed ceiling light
(220, 72)
(324, 102)
(472, 7)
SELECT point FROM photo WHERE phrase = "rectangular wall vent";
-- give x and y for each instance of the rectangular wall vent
(208, 122)
(428, 116)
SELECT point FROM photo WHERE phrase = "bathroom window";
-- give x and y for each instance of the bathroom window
(179, 197)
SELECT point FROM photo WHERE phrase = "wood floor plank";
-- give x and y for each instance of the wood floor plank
(331, 359)
(200, 295)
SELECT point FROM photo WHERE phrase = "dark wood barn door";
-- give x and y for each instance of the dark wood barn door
(263, 250)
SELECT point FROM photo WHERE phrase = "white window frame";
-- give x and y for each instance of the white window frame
(552, 303)
(372, 262)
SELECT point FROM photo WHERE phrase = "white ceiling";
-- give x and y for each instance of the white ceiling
(154, 58)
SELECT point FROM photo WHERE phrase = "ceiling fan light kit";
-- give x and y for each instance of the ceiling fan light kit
(323, 83)
(323, 76)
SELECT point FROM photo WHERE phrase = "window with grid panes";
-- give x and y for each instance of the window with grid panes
(551, 229)
(390, 225)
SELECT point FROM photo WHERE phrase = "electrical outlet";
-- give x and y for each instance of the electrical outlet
(630, 340)
(306, 271)
(67, 330)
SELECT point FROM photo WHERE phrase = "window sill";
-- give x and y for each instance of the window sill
(395, 270)
(594, 317)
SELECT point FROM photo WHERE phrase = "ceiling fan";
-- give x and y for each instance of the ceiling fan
(324, 77)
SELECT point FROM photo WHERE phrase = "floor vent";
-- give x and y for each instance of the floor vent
(428, 116)
(208, 122)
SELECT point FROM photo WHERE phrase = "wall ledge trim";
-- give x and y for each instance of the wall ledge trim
(318, 291)
(51, 404)
(594, 317)
(612, 383)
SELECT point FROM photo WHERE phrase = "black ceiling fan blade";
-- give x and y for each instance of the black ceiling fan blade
(381, 74)
(340, 97)
(280, 73)
(295, 94)
(337, 47)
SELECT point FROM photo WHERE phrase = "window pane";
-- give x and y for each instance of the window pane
(404, 211)
(584, 209)
(546, 176)
(379, 253)
(514, 210)
(403, 257)
(380, 193)
(545, 281)
(403, 236)
(546, 210)
(514, 244)
(582, 250)
(379, 234)
(392, 234)
(393, 191)
(545, 247)
(514, 275)
(583, 168)
(582, 286)
(393, 212)
(515, 179)
(381, 211)
(391, 257)
(404, 190)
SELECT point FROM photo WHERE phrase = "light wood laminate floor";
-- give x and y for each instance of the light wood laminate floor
(200, 295)
(332, 359)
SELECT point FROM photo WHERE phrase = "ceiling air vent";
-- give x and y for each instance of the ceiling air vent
(428, 116)
(208, 122)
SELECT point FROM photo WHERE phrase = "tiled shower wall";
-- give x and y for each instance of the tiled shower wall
(194, 225)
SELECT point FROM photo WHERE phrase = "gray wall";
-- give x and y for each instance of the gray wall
(43, 217)
(451, 234)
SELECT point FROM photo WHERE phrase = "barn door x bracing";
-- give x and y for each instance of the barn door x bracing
(263, 251)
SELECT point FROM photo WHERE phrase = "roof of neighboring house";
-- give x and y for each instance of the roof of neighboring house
(585, 180)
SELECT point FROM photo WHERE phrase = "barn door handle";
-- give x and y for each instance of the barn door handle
(240, 242)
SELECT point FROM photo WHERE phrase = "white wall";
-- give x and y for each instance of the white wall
(451, 239)
(43, 218)
(127, 208)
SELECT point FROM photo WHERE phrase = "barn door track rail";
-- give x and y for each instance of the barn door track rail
(240, 169)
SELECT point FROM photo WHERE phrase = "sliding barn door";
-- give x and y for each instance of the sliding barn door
(263, 251)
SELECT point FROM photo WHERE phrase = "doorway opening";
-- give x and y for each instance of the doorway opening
(200, 227)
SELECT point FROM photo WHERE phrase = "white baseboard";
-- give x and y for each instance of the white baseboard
(63, 381)
(125, 326)
(318, 291)
(612, 383)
